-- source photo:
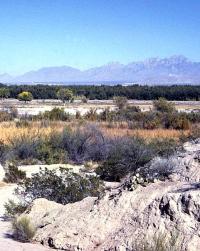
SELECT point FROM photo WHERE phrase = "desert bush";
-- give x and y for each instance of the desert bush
(162, 105)
(84, 99)
(164, 147)
(125, 156)
(5, 116)
(83, 145)
(55, 114)
(25, 96)
(3, 151)
(120, 101)
(160, 168)
(23, 230)
(178, 121)
(13, 174)
(64, 94)
(50, 154)
(91, 115)
(159, 242)
(23, 147)
(22, 123)
(13, 209)
(62, 187)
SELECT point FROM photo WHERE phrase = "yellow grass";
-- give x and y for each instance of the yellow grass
(9, 131)
(146, 134)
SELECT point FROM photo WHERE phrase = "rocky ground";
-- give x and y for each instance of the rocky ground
(121, 219)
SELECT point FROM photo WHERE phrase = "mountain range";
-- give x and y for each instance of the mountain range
(172, 70)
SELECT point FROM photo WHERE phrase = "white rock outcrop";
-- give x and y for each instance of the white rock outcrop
(119, 220)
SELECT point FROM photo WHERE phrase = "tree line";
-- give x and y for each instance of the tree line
(103, 92)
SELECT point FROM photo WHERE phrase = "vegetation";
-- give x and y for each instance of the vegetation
(159, 242)
(103, 92)
(4, 93)
(65, 95)
(13, 209)
(63, 187)
(23, 230)
(13, 174)
(25, 96)
(120, 102)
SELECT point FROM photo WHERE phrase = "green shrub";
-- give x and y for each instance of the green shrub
(13, 174)
(163, 147)
(56, 114)
(120, 101)
(13, 209)
(162, 105)
(62, 187)
(125, 156)
(23, 230)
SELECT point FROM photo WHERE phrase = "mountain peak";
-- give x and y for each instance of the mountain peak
(171, 70)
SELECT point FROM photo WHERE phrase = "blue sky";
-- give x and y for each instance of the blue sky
(87, 33)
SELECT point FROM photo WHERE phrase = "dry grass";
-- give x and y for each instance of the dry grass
(8, 131)
(146, 134)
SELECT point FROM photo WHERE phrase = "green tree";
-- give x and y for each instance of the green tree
(4, 93)
(65, 95)
(25, 96)
(162, 105)
(120, 102)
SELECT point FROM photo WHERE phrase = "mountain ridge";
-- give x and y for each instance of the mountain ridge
(171, 70)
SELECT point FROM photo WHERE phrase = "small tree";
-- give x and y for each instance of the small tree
(65, 95)
(4, 93)
(25, 96)
(162, 105)
(84, 99)
(120, 102)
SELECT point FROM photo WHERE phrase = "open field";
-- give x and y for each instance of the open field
(36, 106)
(9, 131)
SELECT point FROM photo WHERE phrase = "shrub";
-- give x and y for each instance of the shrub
(125, 156)
(25, 96)
(159, 242)
(5, 116)
(49, 154)
(162, 105)
(65, 94)
(163, 147)
(84, 144)
(160, 168)
(62, 187)
(13, 174)
(23, 230)
(56, 114)
(120, 101)
(23, 147)
(91, 115)
(84, 99)
(13, 209)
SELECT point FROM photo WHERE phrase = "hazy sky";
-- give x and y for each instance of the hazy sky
(86, 33)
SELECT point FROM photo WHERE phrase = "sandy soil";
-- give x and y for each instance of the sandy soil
(6, 192)
(36, 106)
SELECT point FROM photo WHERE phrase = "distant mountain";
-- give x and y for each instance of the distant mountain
(172, 70)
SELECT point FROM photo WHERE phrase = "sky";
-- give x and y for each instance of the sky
(89, 33)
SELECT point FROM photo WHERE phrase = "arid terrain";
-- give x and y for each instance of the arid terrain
(36, 106)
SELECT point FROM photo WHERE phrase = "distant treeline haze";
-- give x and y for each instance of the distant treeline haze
(103, 92)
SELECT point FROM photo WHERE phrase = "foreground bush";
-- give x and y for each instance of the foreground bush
(13, 209)
(13, 174)
(159, 242)
(61, 186)
(125, 156)
(23, 230)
